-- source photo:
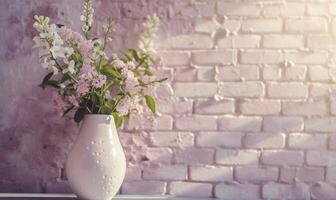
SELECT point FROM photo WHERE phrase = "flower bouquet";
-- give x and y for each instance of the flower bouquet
(89, 80)
(103, 89)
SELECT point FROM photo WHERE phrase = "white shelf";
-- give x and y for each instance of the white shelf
(33, 196)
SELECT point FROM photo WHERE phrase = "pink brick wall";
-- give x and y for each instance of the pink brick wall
(248, 112)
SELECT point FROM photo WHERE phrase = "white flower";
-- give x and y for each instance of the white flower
(130, 75)
(57, 41)
(47, 64)
(136, 105)
(57, 51)
(108, 95)
(38, 42)
(131, 65)
(44, 52)
(146, 43)
(44, 35)
(41, 23)
(71, 68)
(118, 64)
(62, 85)
(87, 16)
(42, 45)
(48, 38)
(82, 18)
(69, 51)
(85, 28)
(50, 65)
(114, 56)
(38, 26)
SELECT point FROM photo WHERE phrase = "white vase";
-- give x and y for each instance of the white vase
(96, 164)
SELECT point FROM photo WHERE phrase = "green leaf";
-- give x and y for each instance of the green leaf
(69, 89)
(45, 79)
(141, 83)
(136, 72)
(117, 119)
(77, 57)
(110, 103)
(150, 103)
(143, 61)
(79, 115)
(103, 62)
(64, 78)
(148, 72)
(52, 83)
(105, 110)
(126, 117)
(125, 57)
(94, 98)
(108, 70)
(59, 25)
(132, 53)
(144, 65)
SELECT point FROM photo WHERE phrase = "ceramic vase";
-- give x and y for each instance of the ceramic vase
(96, 164)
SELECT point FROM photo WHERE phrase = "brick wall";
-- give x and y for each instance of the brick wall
(248, 112)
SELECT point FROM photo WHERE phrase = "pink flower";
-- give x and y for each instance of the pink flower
(98, 81)
(118, 64)
(82, 87)
(123, 106)
(124, 71)
(131, 85)
(86, 69)
(69, 35)
(65, 33)
(77, 37)
(86, 49)
(58, 103)
(73, 100)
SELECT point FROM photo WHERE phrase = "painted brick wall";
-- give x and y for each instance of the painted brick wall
(248, 112)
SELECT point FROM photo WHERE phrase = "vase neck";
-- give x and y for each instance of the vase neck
(99, 126)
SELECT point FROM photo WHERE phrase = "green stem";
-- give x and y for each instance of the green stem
(88, 109)
(109, 27)
(59, 65)
(107, 87)
(117, 102)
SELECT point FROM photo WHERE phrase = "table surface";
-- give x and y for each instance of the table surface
(36, 196)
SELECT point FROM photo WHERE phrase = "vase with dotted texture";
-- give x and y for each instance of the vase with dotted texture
(96, 164)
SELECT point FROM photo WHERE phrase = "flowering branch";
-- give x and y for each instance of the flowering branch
(87, 17)
(83, 76)
(108, 29)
